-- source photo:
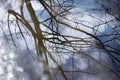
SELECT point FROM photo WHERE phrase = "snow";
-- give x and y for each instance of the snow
(19, 64)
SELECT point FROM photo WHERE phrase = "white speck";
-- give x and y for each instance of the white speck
(5, 57)
(19, 69)
(2, 51)
(10, 76)
(11, 55)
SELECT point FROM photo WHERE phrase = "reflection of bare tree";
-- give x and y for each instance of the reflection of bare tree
(52, 42)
